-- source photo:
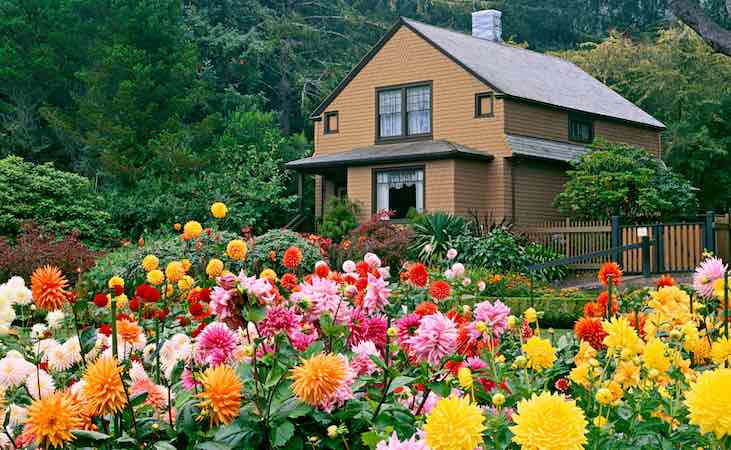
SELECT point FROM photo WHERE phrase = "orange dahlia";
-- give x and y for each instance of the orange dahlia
(292, 258)
(317, 378)
(103, 388)
(52, 418)
(439, 290)
(129, 332)
(47, 285)
(601, 304)
(590, 329)
(664, 281)
(220, 399)
(607, 269)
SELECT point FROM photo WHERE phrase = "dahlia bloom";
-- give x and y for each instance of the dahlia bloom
(220, 398)
(495, 315)
(610, 269)
(301, 340)
(215, 344)
(376, 295)
(279, 319)
(48, 287)
(14, 369)
(709, 402)
(540, 353)
(406, 328)
(221, 303)
(317, 379)
(39, 384)
(454, 424)
(52, 418)
(590, 329)
(393, 443)
(177, 348)
(440, 290)
(361, 361)
(706, 274)
(324, 295)
(418, 275)
(435, 338)
(103, 387)
(550, 422)
(292, 258)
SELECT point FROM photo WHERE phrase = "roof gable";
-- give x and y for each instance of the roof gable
(515, 72)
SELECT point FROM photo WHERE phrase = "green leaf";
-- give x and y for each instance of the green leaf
(282, 433)
(370, 438)
(164, 445)
(256, 314)
(90, 435)
(442, 389)
(378, 361)
(399, 381)
(212, 445)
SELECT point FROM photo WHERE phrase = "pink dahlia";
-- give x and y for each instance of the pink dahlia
(301, 340)
(221, 303)
(435, 338)
(279, 318)
(393, 443)
(406, 328)
(376, 295)
(324, 297)
(361, 362)
(494, 315)
(189, 381)
(215, 345)
(706, 274)
(362, 328)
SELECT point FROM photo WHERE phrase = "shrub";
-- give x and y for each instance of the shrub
(59, 201)
(35, 247)
(278, 241)
(537, 253)
(434, 234)
(340, 217)
(126, 262)
(384, 238)
(616, 179)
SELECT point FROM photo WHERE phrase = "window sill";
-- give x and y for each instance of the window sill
(397, 139)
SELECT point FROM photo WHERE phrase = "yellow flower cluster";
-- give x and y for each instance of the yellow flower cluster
(540, 353)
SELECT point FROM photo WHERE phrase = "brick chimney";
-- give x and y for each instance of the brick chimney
(487, 25)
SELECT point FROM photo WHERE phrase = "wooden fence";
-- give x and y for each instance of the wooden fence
(676, 246)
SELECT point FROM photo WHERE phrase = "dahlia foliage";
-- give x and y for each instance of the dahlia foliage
(202, 356)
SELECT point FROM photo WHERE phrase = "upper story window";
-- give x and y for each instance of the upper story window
(404, 112)
(332, 123)
(484, 104)
(581, 129)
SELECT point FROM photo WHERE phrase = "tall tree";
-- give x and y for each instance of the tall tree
(696, 17)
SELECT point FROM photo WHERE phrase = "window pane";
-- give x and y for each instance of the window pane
(399, 191)
(389, 110)
(485, 105)
(418, 109)
(580, 131)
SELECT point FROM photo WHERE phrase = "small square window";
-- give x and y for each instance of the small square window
(332, 122)
(484, 104)
(581, 129)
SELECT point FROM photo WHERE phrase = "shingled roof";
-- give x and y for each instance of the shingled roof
(518, 73)
(389, 153)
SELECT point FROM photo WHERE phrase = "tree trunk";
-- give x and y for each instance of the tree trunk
(693, 15)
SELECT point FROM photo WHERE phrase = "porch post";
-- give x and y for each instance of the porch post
(300, 194)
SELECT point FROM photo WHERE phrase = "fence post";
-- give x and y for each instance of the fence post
(645, 256)
(659, 248)
(709, 235)
(616, 240)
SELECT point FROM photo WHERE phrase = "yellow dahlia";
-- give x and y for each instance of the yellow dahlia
(316, 379)
(540, 353)
(621, 335)
(186, 283)
(150, 262)
(709, 402)
(721, 351)
(220, 399)
(187, 264)
(269, 274)
(580, 375)
(155, 277)
(454, 424)
(237, 250)
(174, 271)
(219, 210)
(103, 387)
(52, 418)
(214, 268)
(115, 281)
(47, 287)
(192, 229)
(655, 356)
(549, 422)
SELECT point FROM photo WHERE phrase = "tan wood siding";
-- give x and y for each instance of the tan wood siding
(528, 119)
(407, 58)
(536, 185)
(473, 189)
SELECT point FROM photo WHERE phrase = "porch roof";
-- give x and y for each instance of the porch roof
(389, 153)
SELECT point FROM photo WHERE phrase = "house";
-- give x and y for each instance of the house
(438, 120)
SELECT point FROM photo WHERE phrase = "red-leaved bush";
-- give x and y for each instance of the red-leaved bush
(35, 247)
(386, 239)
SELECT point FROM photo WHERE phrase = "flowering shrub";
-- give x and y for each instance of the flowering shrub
(35, 247)
(203, 356)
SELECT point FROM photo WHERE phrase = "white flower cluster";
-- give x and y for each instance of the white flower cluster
(14, 292)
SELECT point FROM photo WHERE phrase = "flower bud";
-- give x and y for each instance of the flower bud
(498, 399)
